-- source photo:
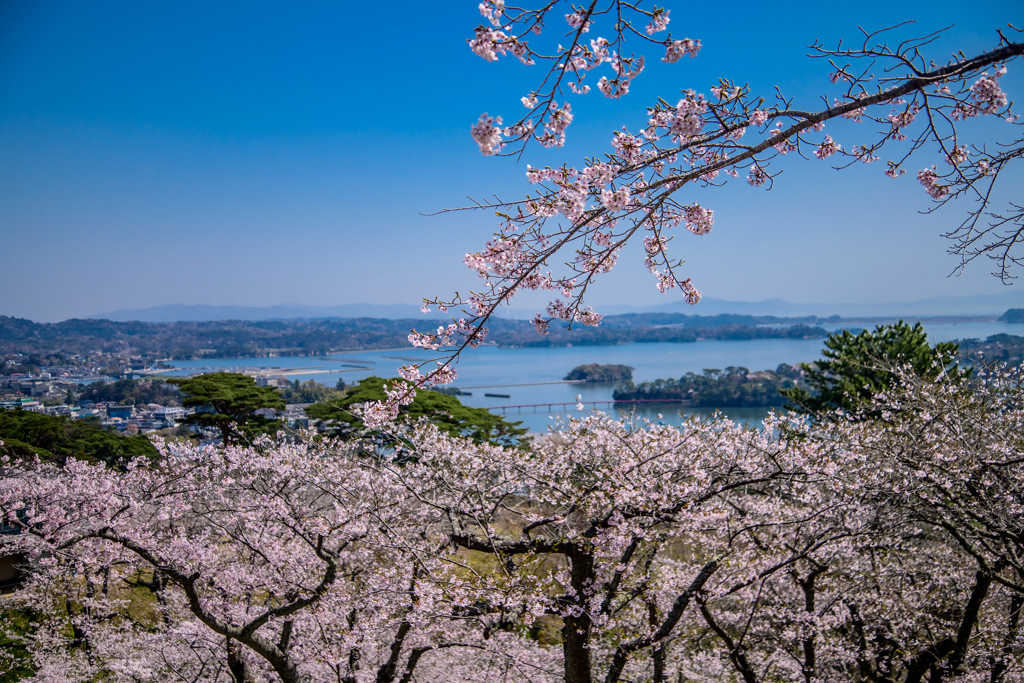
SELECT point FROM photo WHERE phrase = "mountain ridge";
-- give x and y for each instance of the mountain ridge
(976, 305)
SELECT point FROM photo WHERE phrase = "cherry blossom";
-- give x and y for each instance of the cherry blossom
(648, 181)
(677, 49)
(804, 550)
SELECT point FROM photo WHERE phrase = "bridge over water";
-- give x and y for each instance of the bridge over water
(563, 404)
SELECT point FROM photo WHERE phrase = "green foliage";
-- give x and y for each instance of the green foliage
(594, 372)
(447, 412)
(452, 391)
(55, 439)
(856, 367)
(15, 658)
(311, 392)
(734, 386)
(132, 392)
(229, 401)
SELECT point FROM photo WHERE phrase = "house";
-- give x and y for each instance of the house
(123, 412)
(169, 414)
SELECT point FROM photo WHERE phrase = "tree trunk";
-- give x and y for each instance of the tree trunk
(576, 627)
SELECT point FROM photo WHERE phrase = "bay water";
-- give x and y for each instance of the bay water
(529, 385)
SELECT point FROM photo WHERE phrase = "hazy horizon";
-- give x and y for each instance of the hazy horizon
(978, 305)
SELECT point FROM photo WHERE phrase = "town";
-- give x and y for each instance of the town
(61, 389)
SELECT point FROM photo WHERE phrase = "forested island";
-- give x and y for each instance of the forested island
(1013, 316)
(732, 387)
(593, 372)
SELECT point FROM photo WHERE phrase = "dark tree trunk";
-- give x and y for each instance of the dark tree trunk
(576, 629)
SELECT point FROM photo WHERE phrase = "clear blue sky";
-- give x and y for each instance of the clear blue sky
(258, 153)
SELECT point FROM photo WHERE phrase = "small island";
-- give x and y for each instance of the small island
(1014, 316)
(594, 372)
(732, 387)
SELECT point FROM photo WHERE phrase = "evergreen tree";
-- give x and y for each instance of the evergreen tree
(857, 367)
(229, 401)
(447, 412)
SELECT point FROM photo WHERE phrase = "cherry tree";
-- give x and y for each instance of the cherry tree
(280, 562)
(618, 531)
(897, 595)
(914, 112)
(947, 459)
(885, 550)
(713, 551)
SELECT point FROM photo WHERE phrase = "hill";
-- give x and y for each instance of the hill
(239, 339)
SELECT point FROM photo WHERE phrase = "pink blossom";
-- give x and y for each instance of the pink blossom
(444, 374)
(557, 121)
(599, 52)
(575, 20)
(492, 11)
(853, 114)
(725, 92)
(691, 293)
(410, 373)
(589, 317)
(864, 154)
(839, 75)
(957, 156)
(929, 179)
(757, 176)
(659, 21)
(487, 43)
(677, 49)
(487, 134)
(904, 118)
(827, 148)
(988, 97)
(617, 200)
(699, 220)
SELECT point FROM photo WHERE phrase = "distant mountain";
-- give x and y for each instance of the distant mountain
(170, 313)
(980, 305)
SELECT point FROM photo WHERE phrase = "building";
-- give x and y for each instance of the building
(169, 414)
(123, 412)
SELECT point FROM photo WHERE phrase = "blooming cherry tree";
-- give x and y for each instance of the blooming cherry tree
(832, 550)
(277, 562)
(572, 228)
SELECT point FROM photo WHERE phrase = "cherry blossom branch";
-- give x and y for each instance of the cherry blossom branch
(587, 215)
(624, 650)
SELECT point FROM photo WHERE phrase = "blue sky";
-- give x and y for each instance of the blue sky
(259, 153)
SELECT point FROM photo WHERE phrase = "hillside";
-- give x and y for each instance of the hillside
(236, 338)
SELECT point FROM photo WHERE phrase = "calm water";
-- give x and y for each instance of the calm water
(533, 376)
